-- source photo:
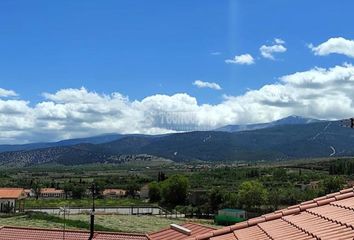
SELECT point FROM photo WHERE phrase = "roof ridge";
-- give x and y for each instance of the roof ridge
(295, 209)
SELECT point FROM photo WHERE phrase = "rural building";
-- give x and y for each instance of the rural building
(12, 199)
(114, 193)
(51, 193)
(314, 185)
(327, 217)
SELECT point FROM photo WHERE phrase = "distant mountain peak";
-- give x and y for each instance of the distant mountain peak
(295, 119)
(290, 120)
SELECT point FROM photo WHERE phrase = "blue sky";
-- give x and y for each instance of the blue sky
(140, 48)
(143, 48)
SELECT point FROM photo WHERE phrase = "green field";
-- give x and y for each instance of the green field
(117, 223)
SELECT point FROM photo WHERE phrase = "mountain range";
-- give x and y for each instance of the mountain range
(289, 138)
(291, 120)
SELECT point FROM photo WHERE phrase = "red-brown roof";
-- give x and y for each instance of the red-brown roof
(52, 190)
(330, 217)
(16, 233)
(172, 234)
(113, 191)
(12, 193)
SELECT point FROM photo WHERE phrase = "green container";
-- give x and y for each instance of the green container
(227, 220)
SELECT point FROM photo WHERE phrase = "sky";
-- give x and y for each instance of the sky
(73, 68)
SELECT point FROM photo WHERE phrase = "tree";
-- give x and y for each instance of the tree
(279, 174)
(78, 191)
(215, 199)
(252, 194)
(37, 186)
(100, 186)
(132, 189)
(161, 177)
(67, 189)
(230, 200)
(174, 190)
(274, 199)
(154, 192)
(333, 184)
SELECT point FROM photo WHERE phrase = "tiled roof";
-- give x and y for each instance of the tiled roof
(12, 193)
(15, 233)
(329, 217)
(112, 191)
(51, 190)
(173, 234)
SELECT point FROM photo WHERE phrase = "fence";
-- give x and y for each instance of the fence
(124, 210)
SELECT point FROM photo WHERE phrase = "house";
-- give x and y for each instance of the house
(51, 193)
(15, 233)
(180, 232)
(327, 217)
(314, 185)
(114, 193)
(12, 199)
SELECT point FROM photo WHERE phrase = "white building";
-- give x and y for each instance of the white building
(51, 193)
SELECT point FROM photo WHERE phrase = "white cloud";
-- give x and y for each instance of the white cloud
(279, 41)
(215, 53)
(241, 59)
(268, 51)
(317, 93)
(337, 45)
(202, 84)
(7, 93)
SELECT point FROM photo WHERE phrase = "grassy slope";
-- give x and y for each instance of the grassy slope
(119, 223)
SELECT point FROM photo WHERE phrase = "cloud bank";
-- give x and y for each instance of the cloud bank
(318, 93)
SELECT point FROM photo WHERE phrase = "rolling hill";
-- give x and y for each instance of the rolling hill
(321, 139)
(290, 141)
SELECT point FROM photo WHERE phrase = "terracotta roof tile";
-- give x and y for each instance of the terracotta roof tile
(229, 236)
(172, 234)
(280, 229)
(329, 217)
(16, 233)
(254, 232)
